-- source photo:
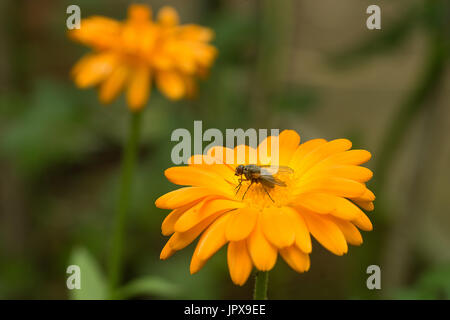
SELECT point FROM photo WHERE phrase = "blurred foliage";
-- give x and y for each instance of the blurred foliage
(149, 285)
(93, 284)
(32, 141)
(433, 284)
(381, 42)
(60, 152)
(94, 287)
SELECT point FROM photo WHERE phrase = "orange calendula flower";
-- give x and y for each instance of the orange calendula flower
(134, 53)
(316, 188)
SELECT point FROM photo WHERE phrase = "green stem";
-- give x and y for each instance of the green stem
(128, 163)
(261, 285)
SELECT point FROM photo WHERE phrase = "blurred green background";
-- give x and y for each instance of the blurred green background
(306, 65)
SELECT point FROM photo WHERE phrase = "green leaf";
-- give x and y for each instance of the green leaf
(93, 285)
(149, 285)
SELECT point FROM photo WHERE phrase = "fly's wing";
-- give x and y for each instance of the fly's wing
(275, 170)
(273, 175)
(271, 181)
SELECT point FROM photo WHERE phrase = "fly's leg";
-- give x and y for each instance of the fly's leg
(247, 190)
(267, 193)
(238, 187)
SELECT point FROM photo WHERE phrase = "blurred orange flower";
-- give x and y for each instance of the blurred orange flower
(322, 196)
(133, 53)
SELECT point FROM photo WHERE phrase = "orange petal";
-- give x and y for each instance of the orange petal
(94, 68)
(112, 86)
(194, 32)
(366, 196)
(196, 264)
(166, 252)
(210, 242)
(289, 141)
(277, 227)
(168, 16)
(239, 262)
(303, 150)
(222, 155)
(357, 173)
(326, 232)
(180, 240)
(366, 205)
(264, 151)
(351, 233)
(160, 60)
(98, 32)
(334, 185)
(168, 225)
(184, 196)
(295, 258)
(322, 152)
(138, 87)
(345, 209)
(204, 54)
(262, 252)
(222, 204)
(209, 163)
(184, 60)
(302, 236)
(324, 203)
(198, 177)
(363, 222)
(351, 157)
(171, 83)
(198, 213)
(240, 224)
(139, 12)
(317, 202)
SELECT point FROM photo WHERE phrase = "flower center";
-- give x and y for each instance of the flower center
(138, 40)
(260, 195)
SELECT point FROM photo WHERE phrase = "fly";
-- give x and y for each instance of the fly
(261, 174)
